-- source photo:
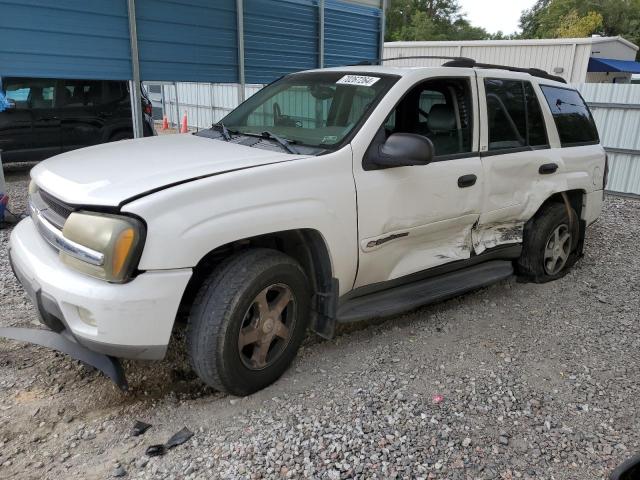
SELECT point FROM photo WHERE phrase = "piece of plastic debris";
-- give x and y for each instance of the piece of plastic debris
(139, 428)
(176, 439)
(156, 450)
(179, 438)
(437, 399)
(119, 471)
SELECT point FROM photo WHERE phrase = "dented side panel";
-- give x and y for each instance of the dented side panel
(514, 187)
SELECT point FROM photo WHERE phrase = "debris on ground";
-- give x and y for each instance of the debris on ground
(139, 428)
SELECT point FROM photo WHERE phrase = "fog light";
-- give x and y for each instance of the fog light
(87, 317)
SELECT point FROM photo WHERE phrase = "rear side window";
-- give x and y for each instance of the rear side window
(514, 115)
(572, 116)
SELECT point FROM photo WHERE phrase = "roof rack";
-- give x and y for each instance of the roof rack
(465, 62)
(432, 57)
(535, 72)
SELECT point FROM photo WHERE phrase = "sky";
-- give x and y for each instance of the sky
(494, 15)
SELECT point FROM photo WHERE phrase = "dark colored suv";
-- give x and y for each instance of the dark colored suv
(45, 117)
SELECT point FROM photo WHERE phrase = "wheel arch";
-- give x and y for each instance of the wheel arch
(570, 198)
(307, 246)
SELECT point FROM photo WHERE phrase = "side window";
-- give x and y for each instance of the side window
(506, 113)
(116, 91)
(536, 128)
(80, 93)
(572, 116)
(30, 93)
(514, 115)
(439, 110)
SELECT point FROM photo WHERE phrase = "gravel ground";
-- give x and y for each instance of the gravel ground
(512, 381)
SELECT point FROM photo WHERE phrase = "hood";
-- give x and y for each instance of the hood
(109, 174)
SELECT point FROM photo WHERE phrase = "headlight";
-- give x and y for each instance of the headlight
(33, 188)
(118, 238)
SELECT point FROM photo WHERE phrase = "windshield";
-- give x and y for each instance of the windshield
(317, 109)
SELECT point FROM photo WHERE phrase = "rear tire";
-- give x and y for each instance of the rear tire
(248, 320)
(549, 244)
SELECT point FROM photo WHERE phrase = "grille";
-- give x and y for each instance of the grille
(52, 209)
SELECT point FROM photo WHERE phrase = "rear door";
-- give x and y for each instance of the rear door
(514, 145)
(46, 140)
(78, 105)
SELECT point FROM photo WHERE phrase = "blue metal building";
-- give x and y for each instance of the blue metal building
(216, 41)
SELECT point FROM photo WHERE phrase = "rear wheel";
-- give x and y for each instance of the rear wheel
(549, 244)
(248, 320)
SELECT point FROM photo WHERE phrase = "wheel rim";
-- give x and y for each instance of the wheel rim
(557, 249)
(267, 327)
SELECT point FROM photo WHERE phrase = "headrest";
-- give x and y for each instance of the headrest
(441, 118)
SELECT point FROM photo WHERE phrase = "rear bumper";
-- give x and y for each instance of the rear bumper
(132, 320)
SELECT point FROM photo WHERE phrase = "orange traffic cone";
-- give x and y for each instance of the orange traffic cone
(165, 123)
(184, 128)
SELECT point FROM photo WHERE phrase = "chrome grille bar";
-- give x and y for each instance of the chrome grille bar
(54, 237)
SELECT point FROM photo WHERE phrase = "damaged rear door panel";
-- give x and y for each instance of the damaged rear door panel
(514, 146)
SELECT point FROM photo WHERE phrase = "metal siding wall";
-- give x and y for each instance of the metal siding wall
(280, 37)
(65, 39)
(618, 120)
(204, 103)
(352, 33)
(546, 57)
(192, 40)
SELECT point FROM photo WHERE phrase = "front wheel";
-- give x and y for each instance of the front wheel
(248, 320)
(549, 244)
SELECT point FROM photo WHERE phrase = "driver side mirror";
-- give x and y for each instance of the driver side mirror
(404, 150)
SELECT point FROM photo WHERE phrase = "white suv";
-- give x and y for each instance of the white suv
(330, 196)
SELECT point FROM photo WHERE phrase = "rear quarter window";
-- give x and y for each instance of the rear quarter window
(572, 116)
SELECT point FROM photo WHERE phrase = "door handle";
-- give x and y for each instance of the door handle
(467, 180)
(548, 168)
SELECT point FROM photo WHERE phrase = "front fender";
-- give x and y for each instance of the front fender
(187, 221)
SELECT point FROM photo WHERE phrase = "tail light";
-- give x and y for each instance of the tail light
(147, 108)
(605, 177)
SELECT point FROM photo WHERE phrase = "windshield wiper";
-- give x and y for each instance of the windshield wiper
(283, 142)
(225, 133)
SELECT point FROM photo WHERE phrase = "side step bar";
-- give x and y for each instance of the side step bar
(406, 297)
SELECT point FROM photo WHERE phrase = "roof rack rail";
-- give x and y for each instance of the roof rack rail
(465, 62)
(431, 57)
(535, 72)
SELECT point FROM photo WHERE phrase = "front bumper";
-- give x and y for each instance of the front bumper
(132, 320)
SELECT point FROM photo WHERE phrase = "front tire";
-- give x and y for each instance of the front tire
(549, 244)
(248, 320)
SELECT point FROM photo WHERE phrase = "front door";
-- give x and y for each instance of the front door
(16, 128)
(414, 218)
(46, 123)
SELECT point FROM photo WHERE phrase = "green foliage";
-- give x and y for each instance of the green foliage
(573, 25)
(429, 20)
(562, 18)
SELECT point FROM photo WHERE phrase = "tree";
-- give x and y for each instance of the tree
(429, 20)
(573, 25)
(556, 18)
